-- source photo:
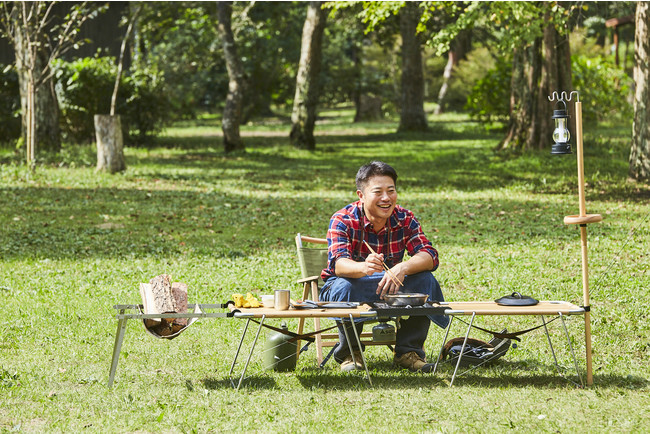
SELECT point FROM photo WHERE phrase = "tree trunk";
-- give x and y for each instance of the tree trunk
(305, 101)
(460, 46)
(46, 105)
(110, 147)
(232, 112)
(534, 78)
(640, 151)
(412, 116)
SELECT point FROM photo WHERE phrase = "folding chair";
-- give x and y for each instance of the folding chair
(312, 261)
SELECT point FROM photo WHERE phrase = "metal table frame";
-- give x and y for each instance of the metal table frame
(544, 308)
(262, 314)
(123, 317)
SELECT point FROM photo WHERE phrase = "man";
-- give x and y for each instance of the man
(354, 273)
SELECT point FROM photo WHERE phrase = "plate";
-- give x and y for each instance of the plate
(324, 304)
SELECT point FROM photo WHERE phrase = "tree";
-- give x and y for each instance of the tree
(232, 112)
(39, 36)
(640, 152)
(412, 116)
(303, 116)
(460, 46)
(108, 128)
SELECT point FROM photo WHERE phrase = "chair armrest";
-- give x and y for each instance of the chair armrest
(308, 279)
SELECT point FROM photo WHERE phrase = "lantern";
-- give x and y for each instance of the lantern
(561, 134)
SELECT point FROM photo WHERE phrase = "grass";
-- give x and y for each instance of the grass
(75, 242)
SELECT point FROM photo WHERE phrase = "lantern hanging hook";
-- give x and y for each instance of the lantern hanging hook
(563, 96)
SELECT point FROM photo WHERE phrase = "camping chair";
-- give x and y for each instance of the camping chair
(312, 261)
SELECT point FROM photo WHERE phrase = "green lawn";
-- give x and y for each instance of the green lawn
(75, 242)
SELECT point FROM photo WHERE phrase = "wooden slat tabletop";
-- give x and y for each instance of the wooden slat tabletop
(492, 308)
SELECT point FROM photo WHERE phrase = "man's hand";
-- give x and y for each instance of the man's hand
(387, 285)
(373, 264)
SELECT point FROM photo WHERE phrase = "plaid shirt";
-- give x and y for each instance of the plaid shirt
(403, 233)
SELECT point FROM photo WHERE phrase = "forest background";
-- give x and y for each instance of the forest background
(243, 126)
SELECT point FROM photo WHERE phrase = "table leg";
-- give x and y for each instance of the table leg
(234, 362)
(550, 345)
(347, 338)
(259, 329)
(444, 340)
(117, 347)
(462, 350)
(568, 339)
(363, 358)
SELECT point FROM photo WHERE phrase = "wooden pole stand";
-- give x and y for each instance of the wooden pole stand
(583, 219)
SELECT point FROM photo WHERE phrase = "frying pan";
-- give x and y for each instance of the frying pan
(404, 299)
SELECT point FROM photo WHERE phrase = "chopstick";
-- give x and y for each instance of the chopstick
(392, 276)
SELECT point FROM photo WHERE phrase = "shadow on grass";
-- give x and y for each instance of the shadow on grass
(385, 376)
(253, 382)
(43, 222)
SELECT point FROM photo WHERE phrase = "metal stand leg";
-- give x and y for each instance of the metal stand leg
(117, 347)
(568, 339)
(462, 350)
(548, 337)
(363, 358)
(241, 341)
(435, 368)
(356, 335)
(259, 329)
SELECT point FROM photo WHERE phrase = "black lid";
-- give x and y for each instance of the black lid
(557, 114)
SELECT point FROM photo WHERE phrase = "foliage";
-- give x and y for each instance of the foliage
(76, 242)
(512, 23)
(147, 104)
(604, 89)
(180, 40)
(489, 98)
(269, 38)
(10, 124)
(78, 105)
(40, 35)
(142, 104)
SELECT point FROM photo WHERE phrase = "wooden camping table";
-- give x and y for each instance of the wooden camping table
(543, 308)
(361, 311)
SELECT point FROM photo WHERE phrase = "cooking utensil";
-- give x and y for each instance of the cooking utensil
(403, 299)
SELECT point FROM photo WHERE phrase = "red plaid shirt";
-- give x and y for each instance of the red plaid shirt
(402, 233)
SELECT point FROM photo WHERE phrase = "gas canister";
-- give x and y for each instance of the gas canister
(279, 353)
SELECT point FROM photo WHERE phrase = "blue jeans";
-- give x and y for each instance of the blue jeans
(412, 331)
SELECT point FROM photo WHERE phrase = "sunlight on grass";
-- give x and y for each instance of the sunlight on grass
(76, 242)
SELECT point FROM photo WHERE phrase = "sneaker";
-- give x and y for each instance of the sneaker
(349, 365)
(413, 362)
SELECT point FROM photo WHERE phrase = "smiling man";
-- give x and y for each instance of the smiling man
(355, 273)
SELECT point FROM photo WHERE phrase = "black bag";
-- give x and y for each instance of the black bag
(476, 352)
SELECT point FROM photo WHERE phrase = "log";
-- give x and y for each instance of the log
(110, 145)
(161, 292)
(179, 296)
(161, 295)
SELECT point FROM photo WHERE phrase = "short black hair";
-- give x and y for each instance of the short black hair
(374, 168)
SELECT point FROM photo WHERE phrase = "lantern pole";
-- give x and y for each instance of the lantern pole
(582, 219)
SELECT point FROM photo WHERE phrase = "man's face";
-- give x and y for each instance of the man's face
(378, 197)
